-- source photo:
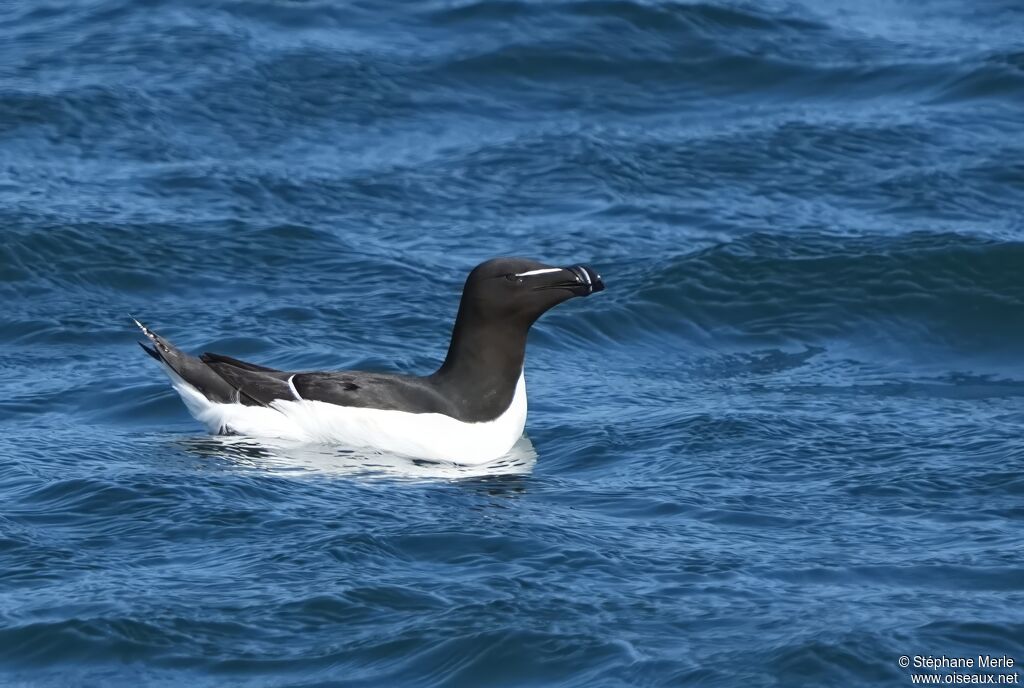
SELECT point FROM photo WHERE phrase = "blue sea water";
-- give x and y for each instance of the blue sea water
(785, 447)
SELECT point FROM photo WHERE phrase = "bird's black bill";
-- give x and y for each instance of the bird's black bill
(581, 280)
(590, 281)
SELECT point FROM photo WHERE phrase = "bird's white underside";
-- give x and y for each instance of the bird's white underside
(433, 436)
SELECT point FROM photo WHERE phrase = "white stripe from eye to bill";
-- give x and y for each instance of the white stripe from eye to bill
(542, 271)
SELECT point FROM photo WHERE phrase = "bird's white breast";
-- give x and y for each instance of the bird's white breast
(432, 436)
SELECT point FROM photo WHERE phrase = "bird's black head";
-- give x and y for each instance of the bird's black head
(517, 290)
(500, 301)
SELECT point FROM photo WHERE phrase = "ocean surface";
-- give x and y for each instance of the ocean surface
(783, 448)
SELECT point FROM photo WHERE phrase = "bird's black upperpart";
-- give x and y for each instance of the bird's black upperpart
(501, 300)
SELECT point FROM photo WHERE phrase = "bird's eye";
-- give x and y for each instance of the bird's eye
(512, 277)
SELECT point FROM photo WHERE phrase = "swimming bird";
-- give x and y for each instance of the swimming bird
(471, 410)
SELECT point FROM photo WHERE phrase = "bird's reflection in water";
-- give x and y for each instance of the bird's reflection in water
(285, 458)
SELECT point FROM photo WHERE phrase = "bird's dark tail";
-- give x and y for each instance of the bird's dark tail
(189, 368)
(152, 336)
(152, 352)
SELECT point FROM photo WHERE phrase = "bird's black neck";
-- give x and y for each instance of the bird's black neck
(483, 365)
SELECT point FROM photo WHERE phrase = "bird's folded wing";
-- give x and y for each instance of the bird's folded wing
(370, 390)
(261, 384)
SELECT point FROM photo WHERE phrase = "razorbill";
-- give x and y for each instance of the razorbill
(470, 411)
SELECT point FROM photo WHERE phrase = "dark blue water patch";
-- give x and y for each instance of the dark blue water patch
(941, 289)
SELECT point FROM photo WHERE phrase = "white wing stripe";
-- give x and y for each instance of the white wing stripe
(291, 386)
